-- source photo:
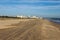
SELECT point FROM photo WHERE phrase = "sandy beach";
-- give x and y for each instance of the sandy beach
(29, 29)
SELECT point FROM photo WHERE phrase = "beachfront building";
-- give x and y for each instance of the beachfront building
(27, 17)
(21, 16)
(41, 17)
(34, 17)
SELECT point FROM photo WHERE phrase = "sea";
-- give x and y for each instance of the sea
(55, 20)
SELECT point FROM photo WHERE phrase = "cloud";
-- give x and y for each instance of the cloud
(18, 7)
(29, 0)
(31, 3)
(38, 7)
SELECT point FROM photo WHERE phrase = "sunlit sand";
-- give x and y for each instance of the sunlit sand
(29, 29)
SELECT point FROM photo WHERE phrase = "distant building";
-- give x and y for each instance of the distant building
(41, 18)
(21, 16)
(27, 16)
(34, 17)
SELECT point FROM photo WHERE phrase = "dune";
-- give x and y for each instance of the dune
(29, 29)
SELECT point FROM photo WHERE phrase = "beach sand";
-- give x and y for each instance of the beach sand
(29, 29)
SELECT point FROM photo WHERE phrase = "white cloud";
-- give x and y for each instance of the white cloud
(29, 0)
(6, 7)
(37, 7)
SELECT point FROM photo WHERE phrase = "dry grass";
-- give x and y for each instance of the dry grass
(28, 29)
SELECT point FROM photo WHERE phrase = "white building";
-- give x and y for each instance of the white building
(41, 18)
(27, 16)
(21, 16)
(34, 17)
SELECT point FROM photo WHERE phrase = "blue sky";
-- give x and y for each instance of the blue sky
(45, 8)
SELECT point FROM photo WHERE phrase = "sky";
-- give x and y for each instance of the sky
(44, 8)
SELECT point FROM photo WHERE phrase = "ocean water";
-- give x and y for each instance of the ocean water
(54, 20)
